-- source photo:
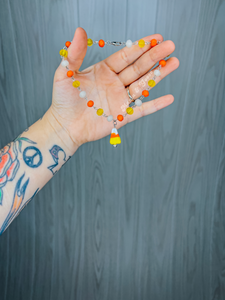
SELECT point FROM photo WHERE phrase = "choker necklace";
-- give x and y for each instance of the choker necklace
(114, 138)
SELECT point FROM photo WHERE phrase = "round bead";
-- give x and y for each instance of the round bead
(162, 62)
(138, 102)
(101, 43)
(151, 83)
(70, 73)
(129, 43)
(82, 94)
(65, 63)
(157, 73)
(68, 43)
(76, 83)
(89, 42)
(129, 110)
(90, 103)
(145, 93)
(120, 118)
(99, 111)
(109, 118)
(141, 43)
(153, 42)
(63, 52)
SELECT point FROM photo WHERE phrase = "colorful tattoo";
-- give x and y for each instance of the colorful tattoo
(9, 163)
(32, 157)
(54, 153)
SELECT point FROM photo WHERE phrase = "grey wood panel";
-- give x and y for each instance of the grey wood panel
(145, 220)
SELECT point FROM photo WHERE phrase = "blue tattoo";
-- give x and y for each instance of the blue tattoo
(54, 153)
(30, 158)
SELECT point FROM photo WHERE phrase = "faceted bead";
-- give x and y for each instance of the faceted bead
(65, 63)
(109, 118)
(89, 42)
(141, 43)
(129, 43)
(120, 118)
(162, 62)
(151, 83)
(76, 83)
(157, 73)
(138, 102)
(101, 43)
(67, 44)
(129, 110)
(82, 94)
(99, 111)
(70, 73)
(153, 42)
(63, 52)
(145, 93)
(90, 103)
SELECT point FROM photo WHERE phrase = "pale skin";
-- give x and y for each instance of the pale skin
(69, 122)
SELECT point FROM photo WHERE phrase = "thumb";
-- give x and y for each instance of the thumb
(77, 50)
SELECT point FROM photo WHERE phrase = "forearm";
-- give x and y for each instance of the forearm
(29, 162)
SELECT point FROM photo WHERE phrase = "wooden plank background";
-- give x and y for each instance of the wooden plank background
(145, 220)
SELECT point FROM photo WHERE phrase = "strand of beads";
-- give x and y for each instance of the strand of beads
(114, 138)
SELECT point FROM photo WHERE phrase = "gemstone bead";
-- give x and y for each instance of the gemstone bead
(129, 110)
(99, 111)
(89, 42)
(82, 94)
(162, 62)
(65, 63)
(70, 73)
(157, 73)
(129, 43)
(120, 118)
(101, 43)
(90, 103)
(67, 44)
(138, 102)
(76, 83)
(151, 83)
(141, 43)
(63, 52)
(145, 93)
(153, 42)
(109, 118)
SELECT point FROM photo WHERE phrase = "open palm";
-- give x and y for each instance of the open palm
(105, 83)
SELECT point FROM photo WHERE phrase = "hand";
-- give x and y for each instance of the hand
(105, 83)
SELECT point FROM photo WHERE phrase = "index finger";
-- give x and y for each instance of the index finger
(125, 56)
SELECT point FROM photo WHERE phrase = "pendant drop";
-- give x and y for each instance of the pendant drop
(115, 138)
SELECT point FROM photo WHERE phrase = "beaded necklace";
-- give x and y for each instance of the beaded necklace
(114, 138)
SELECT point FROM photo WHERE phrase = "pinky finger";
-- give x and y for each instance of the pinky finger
(150, 107)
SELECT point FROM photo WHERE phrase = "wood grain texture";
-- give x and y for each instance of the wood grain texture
(144, 221)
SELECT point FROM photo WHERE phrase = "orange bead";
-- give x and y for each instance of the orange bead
(145, 93)
(90, 103)
(70, 73)
(153, 43)
(101, 43)
(162, 63)
(120, 117)
(68, 44)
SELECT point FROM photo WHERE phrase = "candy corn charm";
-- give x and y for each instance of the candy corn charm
(115, 138)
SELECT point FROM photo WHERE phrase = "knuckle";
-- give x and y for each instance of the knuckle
(124, 56)
(136, 69)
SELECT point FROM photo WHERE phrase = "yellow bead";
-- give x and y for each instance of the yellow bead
(99, 112)
(141, 43)
(130, 110)
(89, 42)
(63, 52)
(151, 83)
(76, 83)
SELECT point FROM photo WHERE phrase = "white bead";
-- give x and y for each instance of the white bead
(138, 102)
(65, 63)
(109, 118)
(82, 94)
(129, 43)
(157, 73)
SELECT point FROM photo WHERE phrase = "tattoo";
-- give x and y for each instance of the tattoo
(54, 153)
(17, 201)
(26, 129)
(33, 158)
(9, 163)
